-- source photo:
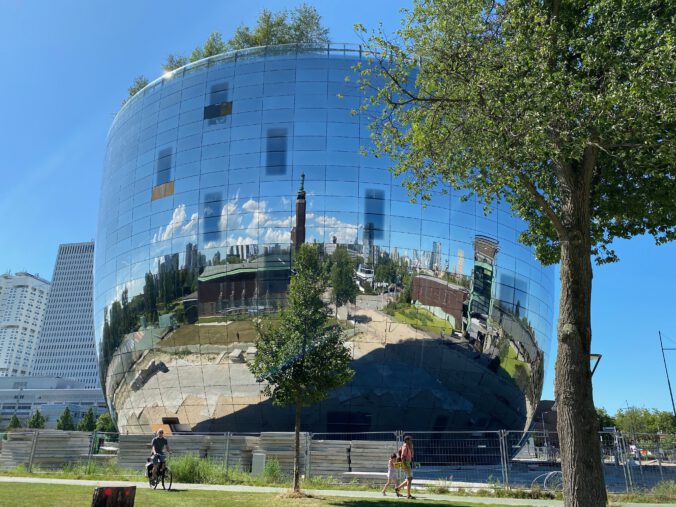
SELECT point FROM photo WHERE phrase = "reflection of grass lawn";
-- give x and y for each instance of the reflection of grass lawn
(419, 318)
(190, 334)
(206, 320)
(509, 361)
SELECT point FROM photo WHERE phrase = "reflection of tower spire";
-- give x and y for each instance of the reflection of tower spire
(298, 234)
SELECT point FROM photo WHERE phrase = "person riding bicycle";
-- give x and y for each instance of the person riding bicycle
(158, 444)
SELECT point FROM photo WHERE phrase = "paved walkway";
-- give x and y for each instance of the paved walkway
(318, 492)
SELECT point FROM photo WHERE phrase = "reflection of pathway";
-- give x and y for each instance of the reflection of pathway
(376, 329)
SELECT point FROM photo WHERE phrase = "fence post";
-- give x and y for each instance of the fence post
(33, 446)
(308, 454)
(227, 452)
(627, 466)
(92, 443)
(504, 457)
(659, 456)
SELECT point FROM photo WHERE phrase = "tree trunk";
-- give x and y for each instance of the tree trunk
(296, 457)
(583, 480)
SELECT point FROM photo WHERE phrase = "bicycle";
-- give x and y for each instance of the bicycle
(164, 475)
(551, 481)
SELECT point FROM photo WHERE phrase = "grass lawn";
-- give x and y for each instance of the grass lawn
(50, 495)
(510, 361)
(189, 334)
(419, 318)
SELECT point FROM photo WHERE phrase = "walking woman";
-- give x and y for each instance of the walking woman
(406, 453)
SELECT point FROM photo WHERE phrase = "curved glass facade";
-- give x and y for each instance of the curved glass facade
(194, 245)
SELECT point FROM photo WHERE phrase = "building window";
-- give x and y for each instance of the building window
(276, 148)
(219, 105)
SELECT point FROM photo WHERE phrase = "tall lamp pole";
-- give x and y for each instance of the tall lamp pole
(673, 407)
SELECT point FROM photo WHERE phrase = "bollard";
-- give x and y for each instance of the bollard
(114, 496)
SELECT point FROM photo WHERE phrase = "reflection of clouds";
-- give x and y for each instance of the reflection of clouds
(343, 231)
(229, 217)
(252, 222)
(176, 224)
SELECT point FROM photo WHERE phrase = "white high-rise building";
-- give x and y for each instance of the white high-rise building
(23, 298)
(66, 347)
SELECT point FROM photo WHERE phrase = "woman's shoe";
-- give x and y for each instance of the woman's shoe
(396, 490)
(410, 497)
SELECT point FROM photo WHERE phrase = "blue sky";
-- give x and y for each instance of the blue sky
(66, 68)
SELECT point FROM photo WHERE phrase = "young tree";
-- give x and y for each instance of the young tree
(303, 356)
(140, 82)
(105, 424)
(14, 423)
(37, 421)
(214, 45)
(174, 62)
(563, 109)
(342, 278)
(88, 422)
(65, 421)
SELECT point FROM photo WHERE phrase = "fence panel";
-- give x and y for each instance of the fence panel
(650, 459)
(474, 460)
(16, 449)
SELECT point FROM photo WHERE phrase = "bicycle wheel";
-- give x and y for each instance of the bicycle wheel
(167, 479)
(554, 482)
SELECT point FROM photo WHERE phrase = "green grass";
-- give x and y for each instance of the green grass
(51, 495)
(510, 361)
(189, 334)
(418, 318)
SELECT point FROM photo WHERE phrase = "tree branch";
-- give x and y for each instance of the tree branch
(544, 207)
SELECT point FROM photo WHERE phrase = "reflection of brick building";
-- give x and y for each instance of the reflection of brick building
(432, 291)
(231, 287)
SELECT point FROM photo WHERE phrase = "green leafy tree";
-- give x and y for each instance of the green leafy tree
(299, 26)
(302, 357)
(173, 62)
(213, 46)
(14, 423)
(386, 270)
(605, 419)
(140, 82)
(37, 420)
(342, 278)
(105, 424)
(65, 421)
(88, 421)
(565, 110)
(642, 420)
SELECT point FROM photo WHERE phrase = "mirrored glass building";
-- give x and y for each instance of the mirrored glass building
(194, 246)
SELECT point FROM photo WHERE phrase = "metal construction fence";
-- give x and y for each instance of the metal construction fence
(474, 460)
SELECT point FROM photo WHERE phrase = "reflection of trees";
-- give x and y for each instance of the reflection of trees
(159, 296)
(389, 270)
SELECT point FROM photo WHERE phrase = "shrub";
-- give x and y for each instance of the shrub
(192, 469)
(273, 471)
